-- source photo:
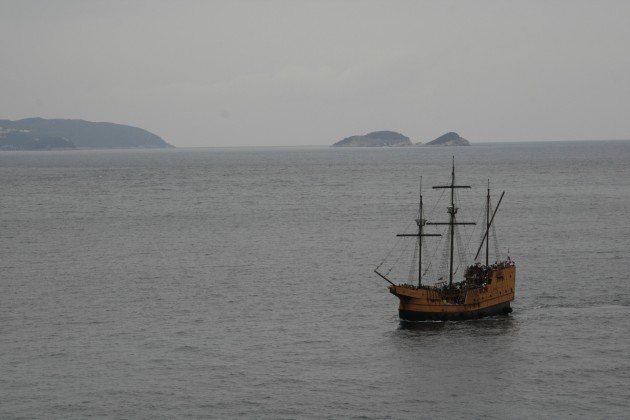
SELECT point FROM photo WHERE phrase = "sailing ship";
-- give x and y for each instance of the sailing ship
(483, 290)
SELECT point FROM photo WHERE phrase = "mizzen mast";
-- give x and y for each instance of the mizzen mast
(489, 221)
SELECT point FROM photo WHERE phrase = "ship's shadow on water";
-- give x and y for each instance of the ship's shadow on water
(495, 325)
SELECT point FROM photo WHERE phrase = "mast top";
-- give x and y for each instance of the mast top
(452, 180)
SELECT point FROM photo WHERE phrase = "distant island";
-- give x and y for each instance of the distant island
(449, 139)
(55, 134)
(376, 139)
(394, 139)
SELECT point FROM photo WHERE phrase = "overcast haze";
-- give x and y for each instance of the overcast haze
(243, 73)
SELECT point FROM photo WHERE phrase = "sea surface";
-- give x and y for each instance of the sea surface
(239, 283)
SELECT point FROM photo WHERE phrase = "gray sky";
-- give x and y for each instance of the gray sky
(243, 73)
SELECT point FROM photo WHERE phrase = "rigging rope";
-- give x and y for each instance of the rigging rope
(496, 243)
(436, 269)
(461, 250)
(482, 220)
(396, 245)
(443, 268)
(428, 266)
(414, 263)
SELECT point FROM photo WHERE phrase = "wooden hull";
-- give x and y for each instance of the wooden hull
(500, 309)
(430, 304)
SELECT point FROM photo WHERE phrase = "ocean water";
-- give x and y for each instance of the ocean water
(238, 283)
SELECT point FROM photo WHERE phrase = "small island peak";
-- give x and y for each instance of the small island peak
(449, 139)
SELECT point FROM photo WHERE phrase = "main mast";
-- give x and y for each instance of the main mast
(452, 211)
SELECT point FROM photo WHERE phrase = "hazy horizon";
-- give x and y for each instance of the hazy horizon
(298, 73)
